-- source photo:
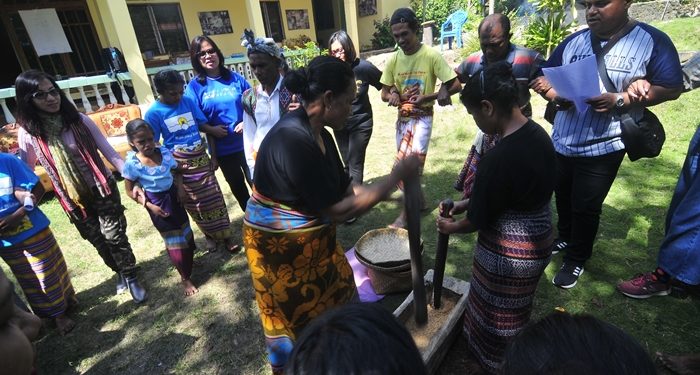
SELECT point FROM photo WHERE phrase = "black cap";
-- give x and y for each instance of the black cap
(403, 15)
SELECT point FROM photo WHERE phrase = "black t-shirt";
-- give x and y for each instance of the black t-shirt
(366, 74)
(517, 174)
(291, 169)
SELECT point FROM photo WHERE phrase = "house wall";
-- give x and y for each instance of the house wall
(365, 25)
(294, 5)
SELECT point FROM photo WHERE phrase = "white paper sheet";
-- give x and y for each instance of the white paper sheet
(45, 31)
(577, 81)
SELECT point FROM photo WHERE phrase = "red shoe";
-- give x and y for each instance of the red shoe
(644, 286)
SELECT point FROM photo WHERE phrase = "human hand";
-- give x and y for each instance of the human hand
(446, 225)
(11, 221)
(638, 90)
(213, 164)
(459, 207)
(444, 98)
(540, 85)
(139, 195)
(238, 129)
(218, 131)
(603, 102)
(158, 211)
(417, 99)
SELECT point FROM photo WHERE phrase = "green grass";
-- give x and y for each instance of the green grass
(218, 331)
(683, 31)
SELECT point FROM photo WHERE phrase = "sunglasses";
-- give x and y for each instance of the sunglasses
(205, 52)
(42, 95)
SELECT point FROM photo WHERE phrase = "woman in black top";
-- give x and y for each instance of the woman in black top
(354, 138)
(509, 207)
(301, 191)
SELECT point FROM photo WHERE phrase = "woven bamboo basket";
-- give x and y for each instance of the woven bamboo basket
(385, 253)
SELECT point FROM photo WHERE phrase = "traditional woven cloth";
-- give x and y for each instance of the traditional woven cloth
(465, 179)
(205, 201)
(298, 270)
(509, 260)
(41, 272)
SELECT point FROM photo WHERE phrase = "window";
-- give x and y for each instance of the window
(159, 28)
(272, 19)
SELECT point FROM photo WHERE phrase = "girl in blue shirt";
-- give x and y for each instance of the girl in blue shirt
(151, 165)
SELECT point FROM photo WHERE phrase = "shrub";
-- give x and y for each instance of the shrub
(300, 56)
(548, 26)
(382, 37)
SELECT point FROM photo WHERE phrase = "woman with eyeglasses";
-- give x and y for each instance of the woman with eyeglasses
(66, 144)
(218, 91)
(354, 137)
(510, 209)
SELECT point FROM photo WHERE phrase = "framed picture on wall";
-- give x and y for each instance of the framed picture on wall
(216, 22)
(367, 7)
(298, 19)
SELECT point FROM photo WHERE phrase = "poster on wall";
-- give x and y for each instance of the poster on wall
(216, 22)
(368, 7)
(45, 31)
(298, 19)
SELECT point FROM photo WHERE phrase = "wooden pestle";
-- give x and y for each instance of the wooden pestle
(412, 201)
(441, 255)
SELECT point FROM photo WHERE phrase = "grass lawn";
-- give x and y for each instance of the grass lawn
(218, 331)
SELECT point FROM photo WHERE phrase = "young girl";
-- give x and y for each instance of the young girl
(178, 120)
(150, 165)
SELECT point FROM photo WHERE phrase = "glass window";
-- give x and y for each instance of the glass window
(159, 28)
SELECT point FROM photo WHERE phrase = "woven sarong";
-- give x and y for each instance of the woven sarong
(465, 179)
(509, 260)
(41, 272)
(298, 270)
(205, 201)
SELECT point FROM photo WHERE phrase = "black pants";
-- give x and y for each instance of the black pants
(105, 228)
(235, 170)
(352, 144)
(581, 187)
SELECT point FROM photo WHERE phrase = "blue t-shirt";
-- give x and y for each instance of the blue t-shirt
(15, 174)
(220, 100)
(178, 124)
(152, 179)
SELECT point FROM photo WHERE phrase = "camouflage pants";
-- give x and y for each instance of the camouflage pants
(105, 228)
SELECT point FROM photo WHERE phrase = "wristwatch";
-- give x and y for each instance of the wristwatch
(619, 101)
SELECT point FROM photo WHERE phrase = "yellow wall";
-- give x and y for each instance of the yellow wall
(365, 24)
(293, 5)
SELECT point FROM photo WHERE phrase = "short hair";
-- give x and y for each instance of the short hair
(27, 115)
(494, 83)
(166, 78)
(502, 19)
(195, 47)
(323, 73)
(343, 38)
(405, 15)
(561, 343)
(355, 339)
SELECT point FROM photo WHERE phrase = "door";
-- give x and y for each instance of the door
(272, 18)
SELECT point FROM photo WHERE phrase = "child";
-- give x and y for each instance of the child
(150, 166)
(178, 120)
(28, 246)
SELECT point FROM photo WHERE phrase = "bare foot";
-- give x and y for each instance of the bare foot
(211, 245)
(232, 246)
(681, 364)
(64, 324)
(189, 288)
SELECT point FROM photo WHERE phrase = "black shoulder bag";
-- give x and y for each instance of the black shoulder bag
(643, 138)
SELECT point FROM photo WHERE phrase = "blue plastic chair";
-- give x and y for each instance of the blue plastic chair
(452, 28)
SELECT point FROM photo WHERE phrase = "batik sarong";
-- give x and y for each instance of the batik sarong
(413, 128)
(41, 272)
(205, 201)
(298, 270)
(175, 229)
(509, 260)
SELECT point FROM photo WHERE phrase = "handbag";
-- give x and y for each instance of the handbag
(643, 138)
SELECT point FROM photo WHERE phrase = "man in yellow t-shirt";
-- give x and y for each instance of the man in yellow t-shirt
(408, 81)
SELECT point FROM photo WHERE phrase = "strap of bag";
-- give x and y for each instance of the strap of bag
(600, 52)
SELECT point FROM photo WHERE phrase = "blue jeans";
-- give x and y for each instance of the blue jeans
(679, 254)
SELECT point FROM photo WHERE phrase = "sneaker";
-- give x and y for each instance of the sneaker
(568, 275)
(644, 286)
(559, 245)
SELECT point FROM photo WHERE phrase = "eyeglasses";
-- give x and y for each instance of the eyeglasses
(205, 52)
(42, 95)
(337, 52)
